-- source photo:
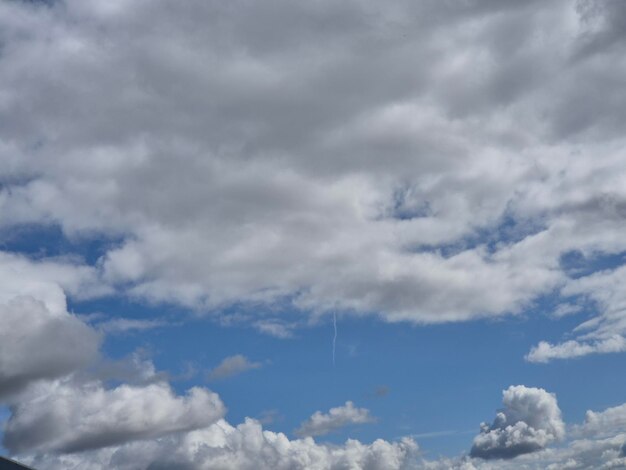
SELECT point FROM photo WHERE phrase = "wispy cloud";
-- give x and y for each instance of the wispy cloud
(323, 423)
(231, 366)
(124, 325)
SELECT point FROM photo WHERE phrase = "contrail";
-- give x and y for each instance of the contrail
(334, 337)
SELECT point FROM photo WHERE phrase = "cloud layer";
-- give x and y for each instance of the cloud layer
(274, 162)
(450, 145)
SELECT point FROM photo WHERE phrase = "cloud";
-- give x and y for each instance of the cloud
(36, 344)
(601, 334)
(274, 328)
(39, 338)
(64, 416)
(246, 446)
(598, 442)
(323, 423)
(529, 421)
(413, 161)
(232, 365)
(605, 423)
(123, 325)
(382, 391)
(450, 146)
(545, 352)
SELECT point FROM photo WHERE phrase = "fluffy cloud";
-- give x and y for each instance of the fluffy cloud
(416, 161)
(246, 446)
(448, 144)
(66, 416)
(36, 344)
(323, 423)
(529, 421)
(605, 423)
(232, 365)
(39, 339)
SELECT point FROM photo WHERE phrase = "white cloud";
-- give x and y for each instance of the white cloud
(47, 280)
(236, 172)
(605, 423)
(545, 352)
(274, 328)
(323, 423)
(411, 161)
(529, 421)
(246, 446)
(66, 416)
(232, 365)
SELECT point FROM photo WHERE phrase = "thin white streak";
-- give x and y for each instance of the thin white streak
(335, 336)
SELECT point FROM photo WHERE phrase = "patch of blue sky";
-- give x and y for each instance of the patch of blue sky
(5, 414)
(507, 230)
(44, 241)
(576, 264)
(404, 209)
(432, 372)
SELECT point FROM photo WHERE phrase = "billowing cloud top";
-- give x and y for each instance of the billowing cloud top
(530, 420)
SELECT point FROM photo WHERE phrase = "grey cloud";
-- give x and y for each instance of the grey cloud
(37, 344)
(123, 325)
(381, 391)
(244, 166)
(232, 365)
(68, 417)
(529, 421)
(39, 338)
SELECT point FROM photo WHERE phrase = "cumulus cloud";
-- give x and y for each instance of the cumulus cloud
(36, 344)
(232, 365)
(236, 172)
(605, 423)
(597, 443)
(66, 416)
(246, 446)
(323, 423)
(413, 161)
(39, 338)
(529, 421)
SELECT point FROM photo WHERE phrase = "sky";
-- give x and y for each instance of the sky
(313, 234)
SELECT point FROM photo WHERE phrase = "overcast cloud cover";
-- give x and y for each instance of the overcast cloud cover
(272, 163)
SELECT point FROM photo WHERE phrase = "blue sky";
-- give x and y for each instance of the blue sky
(423, 369)
(326, 235)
